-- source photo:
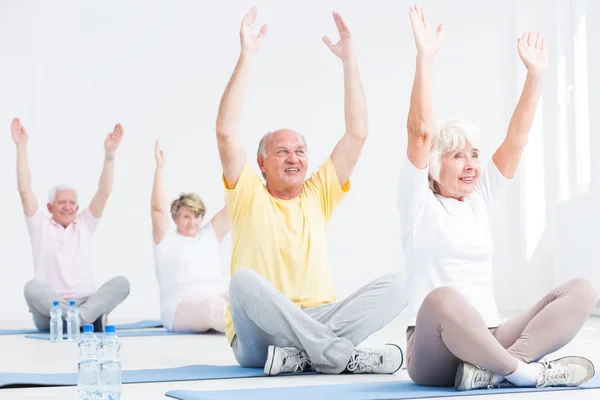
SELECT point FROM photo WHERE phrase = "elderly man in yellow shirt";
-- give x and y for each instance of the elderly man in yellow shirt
(283, 313)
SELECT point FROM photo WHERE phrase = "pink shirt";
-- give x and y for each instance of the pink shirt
(62, 257)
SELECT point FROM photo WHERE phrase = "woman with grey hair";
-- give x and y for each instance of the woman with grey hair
(193, 295)
(454, 335)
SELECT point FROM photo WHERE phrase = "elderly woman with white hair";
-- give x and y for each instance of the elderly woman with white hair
(454, 335)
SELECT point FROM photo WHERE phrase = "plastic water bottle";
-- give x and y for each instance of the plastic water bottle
(110, 365)
(87, 365)
(73, 322)
(56, 323)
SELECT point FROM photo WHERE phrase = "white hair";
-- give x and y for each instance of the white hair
(59, 188)
(262, 146)
(450, 135)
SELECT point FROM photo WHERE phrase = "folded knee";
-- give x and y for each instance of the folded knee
(443, 300)
(122, 283)
(393, 289)
(242, 282)
(32, 287)
(584, 289)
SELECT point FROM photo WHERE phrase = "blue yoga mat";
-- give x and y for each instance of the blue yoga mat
(356, 391)
(187, 373)
(17, 331)
(158, 332)
(147, 323)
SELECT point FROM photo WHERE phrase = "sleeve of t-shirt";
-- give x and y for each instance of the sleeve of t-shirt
(239, 198)
(413, 188)
(34, 224)
(88, 219)
(166, 240)
(162, 252)
(326, 185)
(207, 232)
(492, 186)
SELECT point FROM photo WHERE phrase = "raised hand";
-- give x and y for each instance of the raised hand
(113, 140)
(19, 135)
(344, 48)
(251, 43)
(427, 41)
(159, 156)
(532, 50)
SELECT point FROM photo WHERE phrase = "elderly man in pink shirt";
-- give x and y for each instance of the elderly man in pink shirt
(61, 244)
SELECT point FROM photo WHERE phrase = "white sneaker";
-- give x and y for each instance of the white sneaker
(470, 377)
(281, 360)
(385, 360)
(566, 371)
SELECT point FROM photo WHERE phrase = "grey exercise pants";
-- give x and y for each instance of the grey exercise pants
(263, 316)
(40, 297)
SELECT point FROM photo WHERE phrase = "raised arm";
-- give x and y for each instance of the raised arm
(231, 150)
(420, 123)
(159, 208)
(532, 50)
(19, 135)
(347, 151)
(221, 224)
(111, 143)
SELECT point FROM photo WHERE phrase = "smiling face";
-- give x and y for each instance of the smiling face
(64, 207)
(187, 222)
(187, 212)
(459, 172)
(284, 162)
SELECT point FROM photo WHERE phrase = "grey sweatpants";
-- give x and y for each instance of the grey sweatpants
(40, 296)
(449, 330)
(264, 316)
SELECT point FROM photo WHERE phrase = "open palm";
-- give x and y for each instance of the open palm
(113, 139)
(158, 155)
(251, 43)
(344, 48)
(19, 134)
(532, 51)
(427, 41)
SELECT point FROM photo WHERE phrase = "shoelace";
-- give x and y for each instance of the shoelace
(298, 366)
(554, 376)
(364, 360)
(483, 378)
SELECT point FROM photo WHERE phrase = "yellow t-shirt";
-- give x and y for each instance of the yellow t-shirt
(284, 241)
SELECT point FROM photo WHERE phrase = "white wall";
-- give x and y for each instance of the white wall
(71, 70)
(558, 202)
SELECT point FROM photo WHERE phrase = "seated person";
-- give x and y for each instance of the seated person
(455, 336)
(193, 294)
(62, 243)
(284, 315)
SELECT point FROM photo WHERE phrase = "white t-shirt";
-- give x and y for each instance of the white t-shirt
(447, 242)
(62, 257)
(186, 266)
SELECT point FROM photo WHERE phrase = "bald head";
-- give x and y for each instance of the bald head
(282, 160)
(282, 134)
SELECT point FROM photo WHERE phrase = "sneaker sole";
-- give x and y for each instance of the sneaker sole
(581, 361)
(401, 357)
(270, 360)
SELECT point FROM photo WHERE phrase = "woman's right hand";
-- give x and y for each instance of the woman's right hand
(427, 41)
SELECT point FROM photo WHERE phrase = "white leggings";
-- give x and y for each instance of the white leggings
(199, 313)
